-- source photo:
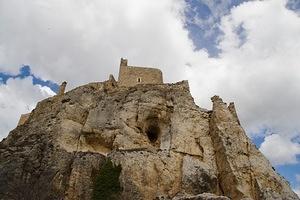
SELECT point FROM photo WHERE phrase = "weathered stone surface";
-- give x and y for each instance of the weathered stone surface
(204, 196)
(197, 177)
(164, 142)
(23, 119)
(243, 171)
(150, 173)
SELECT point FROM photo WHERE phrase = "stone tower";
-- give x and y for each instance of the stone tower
(133, 75)
(62, 88)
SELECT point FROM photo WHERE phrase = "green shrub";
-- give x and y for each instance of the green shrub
(106, 183)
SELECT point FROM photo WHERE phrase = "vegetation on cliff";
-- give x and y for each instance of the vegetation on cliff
(106, 183)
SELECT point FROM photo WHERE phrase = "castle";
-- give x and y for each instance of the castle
(165, 146)
(128, 76)
(132, 75)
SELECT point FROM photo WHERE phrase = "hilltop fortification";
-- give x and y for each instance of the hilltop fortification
(165, 147)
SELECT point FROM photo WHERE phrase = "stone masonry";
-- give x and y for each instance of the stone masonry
(23, 119)
(130, 75)
(62, 88)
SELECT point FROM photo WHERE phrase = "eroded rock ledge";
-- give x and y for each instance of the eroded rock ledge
(168, 147)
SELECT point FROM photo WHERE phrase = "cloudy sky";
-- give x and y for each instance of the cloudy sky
(245, 51)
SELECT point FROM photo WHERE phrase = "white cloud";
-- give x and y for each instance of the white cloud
(46, 91)
(280, 150)
(263, 74)
(17, 97)
(82, 41)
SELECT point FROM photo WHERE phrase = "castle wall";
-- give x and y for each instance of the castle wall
(130, 76)
(23, 119)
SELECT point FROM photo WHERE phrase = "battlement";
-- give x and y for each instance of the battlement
(133, 75)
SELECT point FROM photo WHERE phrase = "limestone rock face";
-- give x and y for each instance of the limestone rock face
(167, 146)
(244, 172)
(203, 196)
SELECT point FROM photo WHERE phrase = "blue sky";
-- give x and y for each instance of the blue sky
(202, 22)
(221, 60)
(203, 19)
(25, 72)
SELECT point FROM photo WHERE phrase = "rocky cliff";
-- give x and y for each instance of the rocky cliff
(167, 147)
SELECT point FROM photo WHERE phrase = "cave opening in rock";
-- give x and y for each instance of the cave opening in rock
(153, 131)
